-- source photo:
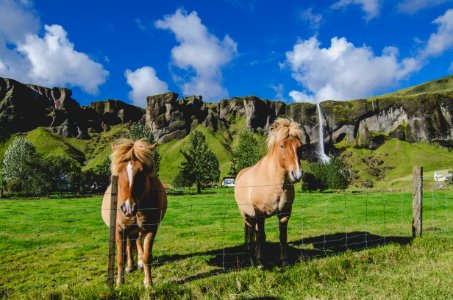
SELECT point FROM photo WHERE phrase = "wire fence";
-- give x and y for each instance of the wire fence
(57, 243)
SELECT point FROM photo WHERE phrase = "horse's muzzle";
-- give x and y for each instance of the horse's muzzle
(295, 176)
(127, 209)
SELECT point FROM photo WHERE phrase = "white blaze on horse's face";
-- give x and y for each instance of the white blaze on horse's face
(127, 207)
(296, 174)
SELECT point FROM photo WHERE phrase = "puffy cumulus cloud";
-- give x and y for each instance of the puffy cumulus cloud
(414, 6)
(53, 61)
(441, 40)
(144, 82)
(16, 21)
(343, 71)
(312, 19)
(371, 8)
(199, 51)
(48, 60)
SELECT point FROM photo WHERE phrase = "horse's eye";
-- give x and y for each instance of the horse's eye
(282, 146)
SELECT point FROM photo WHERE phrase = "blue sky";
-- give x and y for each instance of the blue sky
(285, 50)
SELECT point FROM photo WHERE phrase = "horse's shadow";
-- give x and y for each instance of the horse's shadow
(237, 257)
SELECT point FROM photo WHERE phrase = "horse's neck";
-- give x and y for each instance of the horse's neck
(271, 165)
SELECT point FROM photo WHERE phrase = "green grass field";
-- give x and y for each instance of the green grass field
(342, 245)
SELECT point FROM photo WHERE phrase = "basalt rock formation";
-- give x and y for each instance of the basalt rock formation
(24, 107)
(364, 123)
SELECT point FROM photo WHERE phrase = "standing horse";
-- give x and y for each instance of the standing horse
(267, 188)
(142, 203)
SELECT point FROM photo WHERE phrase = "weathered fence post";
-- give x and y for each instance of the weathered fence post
(417, 201)
(113, 202)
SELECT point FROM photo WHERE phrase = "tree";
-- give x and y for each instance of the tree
(24, 170)
(201, 165)
(246, 154)
(63, 172)
(140, 131)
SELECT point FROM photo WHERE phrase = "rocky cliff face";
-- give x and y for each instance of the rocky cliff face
(364, 123)
(25, 107)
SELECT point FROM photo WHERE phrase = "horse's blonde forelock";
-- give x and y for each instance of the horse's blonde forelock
(126, 150)
(282, 129)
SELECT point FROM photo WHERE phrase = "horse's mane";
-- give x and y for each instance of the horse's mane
(126, 150)
(282, 129)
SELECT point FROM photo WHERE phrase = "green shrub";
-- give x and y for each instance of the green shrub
(331, 175)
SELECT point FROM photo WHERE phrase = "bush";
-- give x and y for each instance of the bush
(331, 175)
(64, 173)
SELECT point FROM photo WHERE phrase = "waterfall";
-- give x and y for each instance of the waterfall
(321, 153)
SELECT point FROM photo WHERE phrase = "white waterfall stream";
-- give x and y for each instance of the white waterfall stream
(321, 152)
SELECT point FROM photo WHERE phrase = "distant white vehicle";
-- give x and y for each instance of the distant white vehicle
(228, 182)
(441, 176)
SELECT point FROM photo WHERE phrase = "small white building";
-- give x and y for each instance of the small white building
(441, 176)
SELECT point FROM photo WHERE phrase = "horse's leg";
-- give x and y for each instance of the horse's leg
(139, 251)
(260, 240)
(130, 249)
(283, 227)
(148, 241)
(121, 245)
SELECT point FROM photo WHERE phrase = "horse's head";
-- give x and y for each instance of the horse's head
(132, 162)
(284, 141)
(289, 157)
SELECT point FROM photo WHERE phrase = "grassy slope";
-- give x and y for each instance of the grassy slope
(443, 84)
(171, 157)
(398, 158)
(58, 250)
(49, 143)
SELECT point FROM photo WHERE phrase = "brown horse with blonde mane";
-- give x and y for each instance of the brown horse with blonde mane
(142, 203)
(267, 188)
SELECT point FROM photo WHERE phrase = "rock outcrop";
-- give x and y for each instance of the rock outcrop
(24, 107)
(364, 123)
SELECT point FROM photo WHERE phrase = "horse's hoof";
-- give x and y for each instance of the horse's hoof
(147, 284)
(260, 266)
(131, 269)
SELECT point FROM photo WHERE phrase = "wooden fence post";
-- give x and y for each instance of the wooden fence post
(113, 202)
(417, 201)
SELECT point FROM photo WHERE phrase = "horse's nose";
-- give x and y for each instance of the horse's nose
(127, 209)
(296, 175)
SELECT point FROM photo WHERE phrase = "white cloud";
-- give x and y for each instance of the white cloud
(312, 19)
(343, 71)
(414, 6)
(55, 62)
(371, 8)
(144, 82)
(442, 39)
(16, 21)
(50, 60)
(199, 51)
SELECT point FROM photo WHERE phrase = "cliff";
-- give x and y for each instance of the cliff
(24, 107)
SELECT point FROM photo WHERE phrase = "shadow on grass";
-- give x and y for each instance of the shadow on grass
(237, 257)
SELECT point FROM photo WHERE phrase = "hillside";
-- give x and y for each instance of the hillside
(379, 139)
(444, 84)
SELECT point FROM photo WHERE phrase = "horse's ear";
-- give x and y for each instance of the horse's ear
(113, 146)
(152, 146)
